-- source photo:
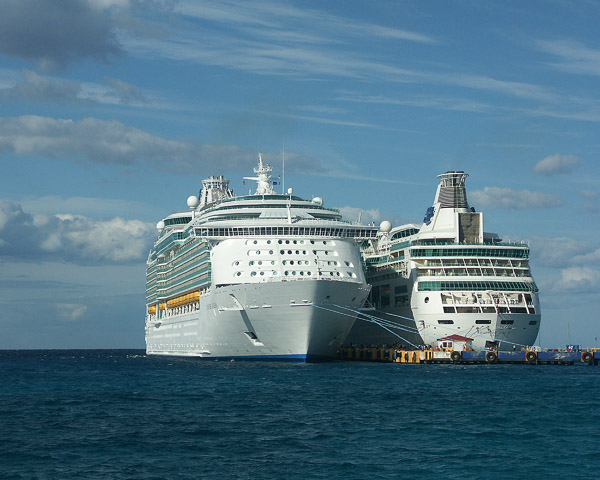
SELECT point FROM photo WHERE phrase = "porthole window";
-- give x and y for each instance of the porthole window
(275, 273)
(294, 272)
(236, 263)
(289, 252)
(255, 242)
(258, 252)
(303, 252)
(297, 252)
(251, 262)
(253, 274)
(301, 273)
(238, 274)
(262, 273)
(282, 252)
(268, 242)
(279, 242)
(270, 252)
(426, 299)
(287, 242)
(260, 262)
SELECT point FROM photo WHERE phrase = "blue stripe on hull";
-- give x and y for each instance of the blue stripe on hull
(296, 358)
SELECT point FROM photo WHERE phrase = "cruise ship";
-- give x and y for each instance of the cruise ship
(263, 275)
(448, 279)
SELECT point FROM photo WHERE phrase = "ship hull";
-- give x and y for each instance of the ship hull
(296, 321)
(508, 331)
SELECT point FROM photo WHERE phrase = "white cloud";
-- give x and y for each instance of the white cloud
(93, 207)
(367, 216)
(589, 194)
(590, 258)
(70, 311)
(557, 163)
(72, 238)
(558, 251)
(578, 279)
(573, 57)
(112, 142)
(507, 198)
(31, 86)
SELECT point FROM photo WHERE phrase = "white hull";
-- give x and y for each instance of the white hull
(517, 330)
(290, 320)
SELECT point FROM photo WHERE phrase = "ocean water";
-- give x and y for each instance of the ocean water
(102, 414)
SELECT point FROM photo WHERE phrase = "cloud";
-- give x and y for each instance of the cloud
(573, 57)
(507, 198)
(579, 278)
(557, 163)
(558, 251)
(93, 207)
(269, 16)
(54, 34)
(589, 194)
(34, 87)
(70, 311)
(127, 93)
(366, 216)
(112, 142)
(37, 88)
(72, 238)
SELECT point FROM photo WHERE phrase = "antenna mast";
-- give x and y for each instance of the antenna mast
(283, 173)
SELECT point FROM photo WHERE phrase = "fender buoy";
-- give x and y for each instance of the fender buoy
(491, 357)
(455, 356)
(587, 357)
(531, 357)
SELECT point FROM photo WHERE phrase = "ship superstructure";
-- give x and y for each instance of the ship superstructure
(257, 276)
(447, 277)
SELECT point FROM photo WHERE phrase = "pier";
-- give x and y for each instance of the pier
(531, 357)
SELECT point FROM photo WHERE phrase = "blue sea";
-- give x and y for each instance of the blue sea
(118, 414)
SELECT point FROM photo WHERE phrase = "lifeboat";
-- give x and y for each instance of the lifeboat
(184, 299)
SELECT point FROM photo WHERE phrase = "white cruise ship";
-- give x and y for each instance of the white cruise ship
(256, 276)
(448, 278)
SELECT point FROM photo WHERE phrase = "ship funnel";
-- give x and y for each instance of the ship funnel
(452, 192)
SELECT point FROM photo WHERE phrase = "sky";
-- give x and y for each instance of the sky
(113, 111)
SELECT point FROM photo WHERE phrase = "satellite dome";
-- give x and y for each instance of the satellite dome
(385, 226)
(192, 201)
(290, 191)
(317, 201)
(160, 226)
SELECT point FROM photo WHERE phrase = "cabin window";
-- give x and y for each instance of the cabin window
(483, 322)
(446, 322)
(507, 322)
